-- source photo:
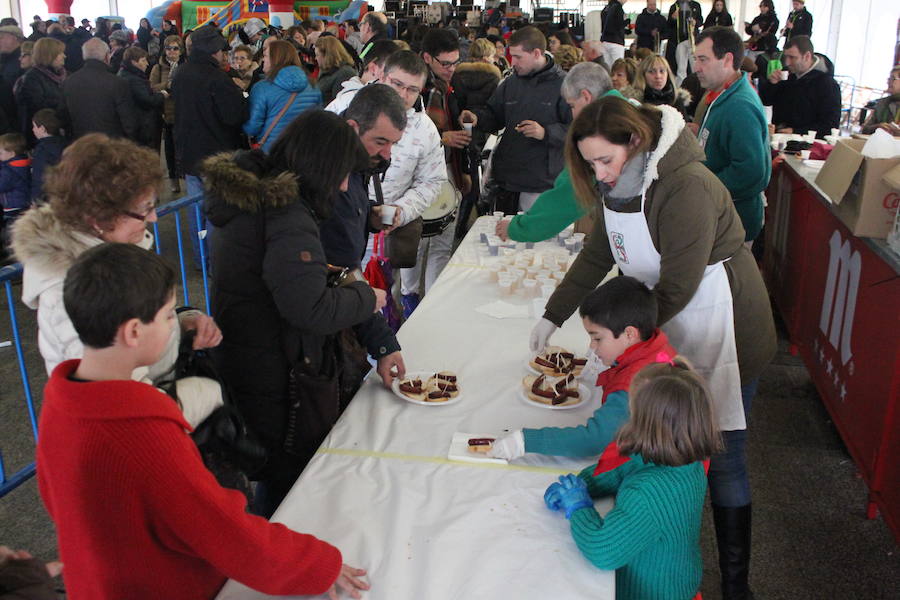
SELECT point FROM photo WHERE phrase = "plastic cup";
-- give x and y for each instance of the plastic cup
(506, 287)
(494, 271)
(529, 287)
(804, 154)
(547, 290)
(468, 128)
(810, 138)
(493, 247)
(836, 132)
(570, 245)
(499, 214)
(387, 214)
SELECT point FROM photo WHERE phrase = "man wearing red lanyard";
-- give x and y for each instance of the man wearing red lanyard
(731, 126)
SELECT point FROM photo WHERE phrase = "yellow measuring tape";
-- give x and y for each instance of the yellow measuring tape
(441, 461)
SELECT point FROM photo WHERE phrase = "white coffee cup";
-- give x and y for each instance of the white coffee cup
(468, 128)
(783, 75)
(804, 154)
(387, 214)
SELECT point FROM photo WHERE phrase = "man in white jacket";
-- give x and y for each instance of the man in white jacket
(418, 171)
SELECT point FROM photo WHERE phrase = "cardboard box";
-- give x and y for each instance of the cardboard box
(862, 199)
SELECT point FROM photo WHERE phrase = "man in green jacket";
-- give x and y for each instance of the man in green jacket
(733, 129)
(557, 208)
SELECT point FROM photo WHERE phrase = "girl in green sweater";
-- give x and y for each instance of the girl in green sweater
(656, 472)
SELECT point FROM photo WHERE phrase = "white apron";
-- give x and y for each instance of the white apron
(703, 331)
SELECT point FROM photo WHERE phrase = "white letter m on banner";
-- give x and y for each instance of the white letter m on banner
(840, 295)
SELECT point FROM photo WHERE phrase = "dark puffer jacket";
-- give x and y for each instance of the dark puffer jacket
(147, 103)
(270, 296)
(209, 111)
(523, 164)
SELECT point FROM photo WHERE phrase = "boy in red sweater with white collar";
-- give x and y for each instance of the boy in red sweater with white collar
(136, 512)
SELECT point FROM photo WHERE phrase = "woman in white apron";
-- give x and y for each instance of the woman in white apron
(668, 221)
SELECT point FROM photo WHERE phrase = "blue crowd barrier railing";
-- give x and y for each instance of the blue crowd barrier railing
(13, 273)
(8, 275)
(174, 207)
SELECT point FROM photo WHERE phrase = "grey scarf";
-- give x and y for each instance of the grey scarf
(629, 185)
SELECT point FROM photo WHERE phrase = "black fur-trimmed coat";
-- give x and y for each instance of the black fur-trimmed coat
(270, 295)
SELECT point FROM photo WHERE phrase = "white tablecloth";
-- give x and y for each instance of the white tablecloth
(382, 490)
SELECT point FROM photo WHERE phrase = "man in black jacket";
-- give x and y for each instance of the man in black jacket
(73, 39)
(685, 17)
(95, 100)
(809, 99)
(650, 27)
(209, 112)
(799, 22)
(613, 36)
(10, 50)
(536, 117)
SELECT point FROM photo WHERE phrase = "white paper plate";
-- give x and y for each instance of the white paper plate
(534, 371)
(584, 395)
(423, 375)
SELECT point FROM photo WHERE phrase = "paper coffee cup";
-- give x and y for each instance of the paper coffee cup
(783, 75)
(468, 128)
(387, 214)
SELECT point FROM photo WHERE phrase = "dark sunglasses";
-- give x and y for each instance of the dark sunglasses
(173, 47)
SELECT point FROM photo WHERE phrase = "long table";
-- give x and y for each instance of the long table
(382, 490)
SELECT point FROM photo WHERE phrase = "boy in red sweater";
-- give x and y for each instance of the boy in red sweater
(137, 514)
(620, 318)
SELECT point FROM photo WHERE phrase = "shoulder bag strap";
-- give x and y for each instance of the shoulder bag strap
(277, 118)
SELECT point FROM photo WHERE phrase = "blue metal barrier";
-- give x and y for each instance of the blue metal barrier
(13, 273)
(174, 207)
(7, 276)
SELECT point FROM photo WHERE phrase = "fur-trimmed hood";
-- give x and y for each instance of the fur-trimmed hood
(47, 247)
(677, 147)
(478, 67)
(242, 181)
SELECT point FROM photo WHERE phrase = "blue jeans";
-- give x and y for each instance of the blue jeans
(194, 185)
(729, 484)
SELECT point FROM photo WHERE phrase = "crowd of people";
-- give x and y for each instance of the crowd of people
(304, 143)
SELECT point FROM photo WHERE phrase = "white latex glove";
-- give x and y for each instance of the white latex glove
(510, 447)
(541, 334)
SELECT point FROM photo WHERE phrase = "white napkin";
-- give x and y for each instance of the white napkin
(504, 310)
(881, 145)
(459, 449)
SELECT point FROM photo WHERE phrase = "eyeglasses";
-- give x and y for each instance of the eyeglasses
(173, 47)
(404, 88)
(139, 216)
(448, 63)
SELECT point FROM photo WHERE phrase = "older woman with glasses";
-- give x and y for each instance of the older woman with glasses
(161, 81)
(103, 190)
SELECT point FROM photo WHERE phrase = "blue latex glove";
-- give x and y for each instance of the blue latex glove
(573, 494)
(551, 496)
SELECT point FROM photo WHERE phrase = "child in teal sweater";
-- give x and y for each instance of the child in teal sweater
(620, 318)
(652, 535)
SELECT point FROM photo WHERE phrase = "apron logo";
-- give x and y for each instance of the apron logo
(618, 241)
(840, 294)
